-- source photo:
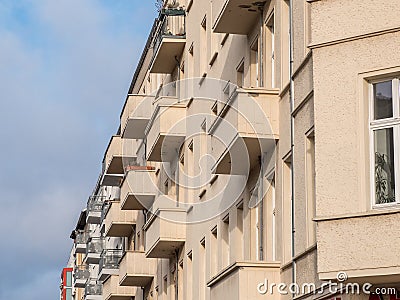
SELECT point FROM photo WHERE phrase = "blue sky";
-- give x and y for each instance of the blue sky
(65, 69)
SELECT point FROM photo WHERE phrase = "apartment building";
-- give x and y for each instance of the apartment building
(258, 145)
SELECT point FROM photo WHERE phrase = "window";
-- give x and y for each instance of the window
(270, 42)
(254, 66)
(214, 251)
(225, 241)
(202, 269)
(203, 47)
(287, 210)
(310, 187)
(240, 228)
(385, 140)
(240, 74)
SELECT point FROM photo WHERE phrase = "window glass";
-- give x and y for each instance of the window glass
(69, 278)
(68, 294)
(384, 166)
(383, 100)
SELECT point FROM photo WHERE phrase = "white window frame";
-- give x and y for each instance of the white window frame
(375, 125)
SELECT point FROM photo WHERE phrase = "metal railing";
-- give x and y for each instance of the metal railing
(106, 207)
(95, 203)
(94, 289)
(172, 25)
(95, 245)
(82, 237)
(82, 272)
(110, 259)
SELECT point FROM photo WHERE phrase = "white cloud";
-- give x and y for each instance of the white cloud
(65, 69)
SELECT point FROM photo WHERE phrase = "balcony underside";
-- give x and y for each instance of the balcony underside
(136, 280)
(234, 10)
(120, 297)
(138, 202)
(112, 179)
(245, 152)
(106, 273)
(134, 128)
(92, 258)
(169, 52)
(80, 248)
(93, 217)
(93, 297)
(165, 248)
(118, 163)
(165, 147)
(80, 283)
(119, 229)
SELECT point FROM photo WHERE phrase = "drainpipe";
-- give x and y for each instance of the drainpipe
(261, 71)
(292, 140)
(176, 276)
(261, 197)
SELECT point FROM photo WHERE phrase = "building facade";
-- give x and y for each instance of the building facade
(258, 147)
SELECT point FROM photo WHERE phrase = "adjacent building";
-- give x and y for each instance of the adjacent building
(258, 144)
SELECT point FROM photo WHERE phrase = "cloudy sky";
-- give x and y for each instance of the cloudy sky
(65, 69)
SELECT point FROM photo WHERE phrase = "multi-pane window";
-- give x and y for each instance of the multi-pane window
(385, 141)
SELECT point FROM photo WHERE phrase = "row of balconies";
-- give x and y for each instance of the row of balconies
(239, 126)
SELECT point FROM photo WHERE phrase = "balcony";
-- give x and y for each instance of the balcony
(364, 246)
(247, 123)
(94, 208)
(94, 249)
(117, 222)
(165, 228)
(228, 12)
(166, 130)
(109, 263)
(138, 189)
(135, 116)
(136, 270)
(81, 276)
(169, 42)
(239, 280)
(120, 152)
(113, 291)
(80, 241)
(93, 291)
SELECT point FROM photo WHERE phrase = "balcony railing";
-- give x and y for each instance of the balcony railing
(81, 276)
(94, 248)
(104, 210)
(110, 258)
(94, 207)
(81, 239)
(93, 289)
(170, 40)
(95, 245)
(109, 263)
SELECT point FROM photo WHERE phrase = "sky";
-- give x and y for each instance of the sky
(65, 70)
